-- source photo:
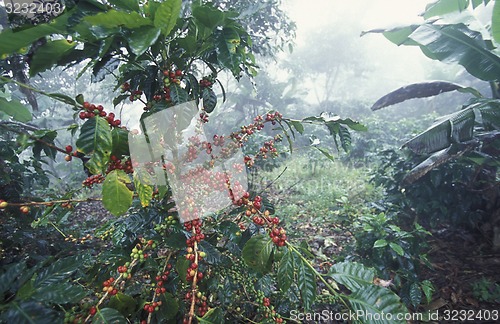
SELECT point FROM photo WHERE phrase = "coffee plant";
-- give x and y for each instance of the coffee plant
(166, 258)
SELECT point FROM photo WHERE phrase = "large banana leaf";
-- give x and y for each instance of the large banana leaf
(420, 90)
(452, 43)
(454, 128)
(458, 44)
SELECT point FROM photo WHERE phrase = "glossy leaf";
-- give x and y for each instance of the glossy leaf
(48, 54)
(458, 44)
(143, 186)
(380, 243)
(114, 18)
(353, 275)
(443, 7)
(286, 271)
(16, 110)
(58, 271)
(208, 16)
(181, 266)
(12, 41)
(374, 301)
(30, 312)
(415, 294)
(306, 281)
(178, 94)
(397, 248)
(125, 304)
(209, 100)
(257, 252)
(108, 316)
(116, 196)
(96, 139)
(60, 293)
(169, 308)
(120, 142)
(166, 15)
(142, 38)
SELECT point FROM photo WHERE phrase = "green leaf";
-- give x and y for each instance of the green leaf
(181, 266)
(353, 275)
(142, 38)
(168, 309)
(286, 271)
(209, 100)
(213, 255)
(495, 22)
(123, 303)
(208, 16)
(397, 248)
(16, 110)
(143, 186)
(257, 252)
(213, 316)
(325, 153)
(116, 196)
(48, 54)
(166, 15)
(373, 301)
(442, 7)
(132, 5)
(120, 142)
(458, 44)
(380, 243)
(428, 289)
(30, 312)
(108, 316)
(12, 41)
(415, 294)
(96, 139)
(113, 18)
(297, 125)
(306, 280)
(178, 94)
(9, 276)
(58, 271)
(60, 293)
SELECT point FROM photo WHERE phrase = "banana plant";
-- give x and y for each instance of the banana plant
(451, 34)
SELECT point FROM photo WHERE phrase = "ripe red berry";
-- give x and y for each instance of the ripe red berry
(92, 311)
(24, 209)
(69, 148)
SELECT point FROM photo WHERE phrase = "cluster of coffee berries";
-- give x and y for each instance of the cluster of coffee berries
(91, 110)
(67, 205)
(194, 226)
(92, 180)
(82, 240)
(138, 253)
(118, 164)
(206, 82)
(107, 233)
(172, 77)
(278, 236)
(167, 223)
(152, 307)
(204, 117)
(135, 95)
(108, 286)
(267, 308)
(200, 301)
(125, 271)
(161, 278)
(257, 125)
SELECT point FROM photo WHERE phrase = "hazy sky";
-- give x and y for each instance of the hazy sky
(397, 66)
